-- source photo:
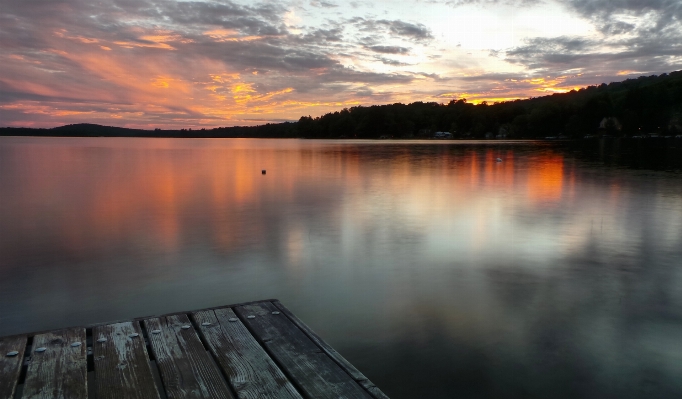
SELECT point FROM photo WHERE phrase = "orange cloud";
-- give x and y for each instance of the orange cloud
(229, 35)
(243, 93)
(627, 72)
(164, 46)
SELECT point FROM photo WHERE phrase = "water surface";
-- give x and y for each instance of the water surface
(436, 270)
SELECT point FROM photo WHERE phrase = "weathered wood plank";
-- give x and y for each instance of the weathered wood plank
(331, 352)
(121, 363)
(249, 369)
(10, 366)
(311, 369)
(58, 367)
(186, 369)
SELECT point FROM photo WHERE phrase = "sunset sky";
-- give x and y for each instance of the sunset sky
(174, 64)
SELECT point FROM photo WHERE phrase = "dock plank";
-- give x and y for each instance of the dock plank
(60, 371)
(311, 369)
(186, 369)
(249, 369)
(121, 363)
(10, 366)
(373, 390)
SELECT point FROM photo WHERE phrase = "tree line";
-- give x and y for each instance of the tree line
(651, 104)
(648, 104)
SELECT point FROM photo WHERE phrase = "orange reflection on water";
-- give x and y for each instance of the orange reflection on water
(166, 193)
(546, 178)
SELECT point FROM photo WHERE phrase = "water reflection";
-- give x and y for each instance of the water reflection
(436, 270)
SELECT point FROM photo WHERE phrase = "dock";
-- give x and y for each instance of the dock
(246, 351)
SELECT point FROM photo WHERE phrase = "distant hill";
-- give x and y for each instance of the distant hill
(91, 129)
(279, 130)
(645, 105)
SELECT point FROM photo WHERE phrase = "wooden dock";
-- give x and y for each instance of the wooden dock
(247, 351)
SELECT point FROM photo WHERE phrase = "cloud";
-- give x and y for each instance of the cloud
(545, 52)
(616, 28)
(607, 8)
(388, 61)
(389, 49)
(323, 36)
(414, 32)
(654, 53)
(460, 3)
(625, 16)
(223, 62)
(322, 4)
(632, 35)
(182, 62)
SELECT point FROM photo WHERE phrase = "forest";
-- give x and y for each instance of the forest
(642, 106)
(633, 107)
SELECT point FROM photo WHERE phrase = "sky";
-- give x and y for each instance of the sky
(193, 64)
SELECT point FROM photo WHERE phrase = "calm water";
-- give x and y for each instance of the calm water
(435, 270)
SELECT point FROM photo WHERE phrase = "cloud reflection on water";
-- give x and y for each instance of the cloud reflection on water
(435, 269)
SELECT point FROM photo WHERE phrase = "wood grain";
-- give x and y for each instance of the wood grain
(121, 363)
(311, 369)
(60, 372)
(249, 369)
(10, 366)
(373, 390)
(186, 368)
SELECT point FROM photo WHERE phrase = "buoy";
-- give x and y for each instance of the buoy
(262, 172)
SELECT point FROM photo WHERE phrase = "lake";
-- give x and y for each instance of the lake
(436, 270)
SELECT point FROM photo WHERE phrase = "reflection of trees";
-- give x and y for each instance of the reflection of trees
(437, 244)
(605, 318)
